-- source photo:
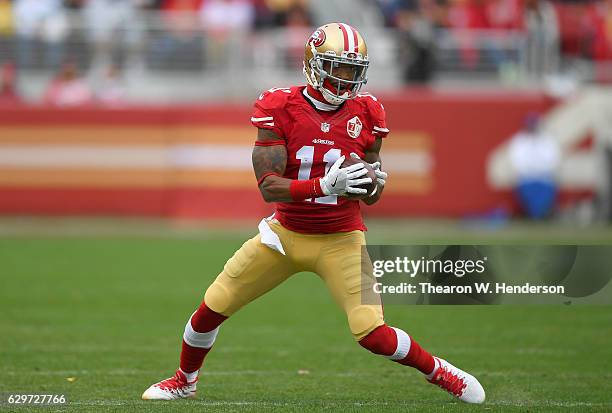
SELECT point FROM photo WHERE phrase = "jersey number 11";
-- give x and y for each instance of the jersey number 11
(306, 156)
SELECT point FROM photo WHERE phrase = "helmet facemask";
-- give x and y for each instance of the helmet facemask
(338, 78)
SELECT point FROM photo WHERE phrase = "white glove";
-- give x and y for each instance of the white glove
(343, 181)
(381, 176)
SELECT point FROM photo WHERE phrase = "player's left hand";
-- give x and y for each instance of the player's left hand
(381, 176)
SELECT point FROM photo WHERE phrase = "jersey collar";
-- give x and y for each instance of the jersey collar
(318, 104)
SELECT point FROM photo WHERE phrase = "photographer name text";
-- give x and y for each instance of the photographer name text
(478, 288)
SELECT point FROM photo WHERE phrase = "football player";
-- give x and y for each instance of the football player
(305, 133)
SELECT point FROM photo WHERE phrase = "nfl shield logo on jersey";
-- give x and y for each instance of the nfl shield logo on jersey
(353, 127)
(325, 127)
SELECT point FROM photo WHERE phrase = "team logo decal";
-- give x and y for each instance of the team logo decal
(325, 127)
(353, 127)
(317, 38)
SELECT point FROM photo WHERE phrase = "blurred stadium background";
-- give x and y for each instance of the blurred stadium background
(117, 117)
(130, 107)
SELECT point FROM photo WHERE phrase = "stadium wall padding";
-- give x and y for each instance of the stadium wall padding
(194, 161)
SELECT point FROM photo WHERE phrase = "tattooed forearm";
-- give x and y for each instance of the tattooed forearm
(269, 159)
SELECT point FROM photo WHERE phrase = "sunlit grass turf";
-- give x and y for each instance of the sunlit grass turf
(109, 312)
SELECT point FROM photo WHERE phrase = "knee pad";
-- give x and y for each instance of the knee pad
(218, 299)
(363, 319)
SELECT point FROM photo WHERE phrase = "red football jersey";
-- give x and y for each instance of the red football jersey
(315, 140)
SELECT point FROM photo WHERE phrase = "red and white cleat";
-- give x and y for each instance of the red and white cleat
(457, 382)
(175, 387)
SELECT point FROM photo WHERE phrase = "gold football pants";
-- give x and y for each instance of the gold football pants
(256, 269)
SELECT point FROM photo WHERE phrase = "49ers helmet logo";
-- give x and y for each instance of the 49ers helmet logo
(353, 127)
(317, 38)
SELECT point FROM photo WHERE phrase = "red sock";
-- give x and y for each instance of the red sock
(419, 359)
(192, 358)
(382, 341)
(389, 342)
(200, 327)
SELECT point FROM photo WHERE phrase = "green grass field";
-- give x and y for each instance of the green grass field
(96, 311)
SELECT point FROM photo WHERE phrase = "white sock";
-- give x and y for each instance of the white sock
(191, 376)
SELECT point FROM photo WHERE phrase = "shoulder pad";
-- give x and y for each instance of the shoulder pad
(275, 97)
(269, 109)
(376, 112)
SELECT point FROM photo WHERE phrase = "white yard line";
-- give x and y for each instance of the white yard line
(543, 403)
(317, 373)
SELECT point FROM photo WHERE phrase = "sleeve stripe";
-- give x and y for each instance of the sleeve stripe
(270, 143)
(376, 128)
(269, 124)
(262, 119)
(264, 176)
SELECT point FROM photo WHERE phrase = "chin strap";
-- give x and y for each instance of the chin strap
(318, 104)
(329, 95)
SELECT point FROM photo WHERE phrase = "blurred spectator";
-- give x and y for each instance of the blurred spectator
(109, 90)
(466, 15)
(155, 4)
(417, 21)
(298, 23)
(180, 38)
(298, 16)
(73, 4)
(6, 18)
(114, 25)
(505, 14)
(572, 29)
(388, 8)
(264, 17)
(598, 27)
(39, 21)
(220, 19)
(502, 15)
(8, 85)
(283, 10)
(541, 26)
(178, 9)
(67, 88)
(535, 158)
(223, 16)
(469, 14)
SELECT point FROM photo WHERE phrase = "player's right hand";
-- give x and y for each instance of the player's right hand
(345, 181)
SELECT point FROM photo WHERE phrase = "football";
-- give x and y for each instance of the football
(369, 187)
